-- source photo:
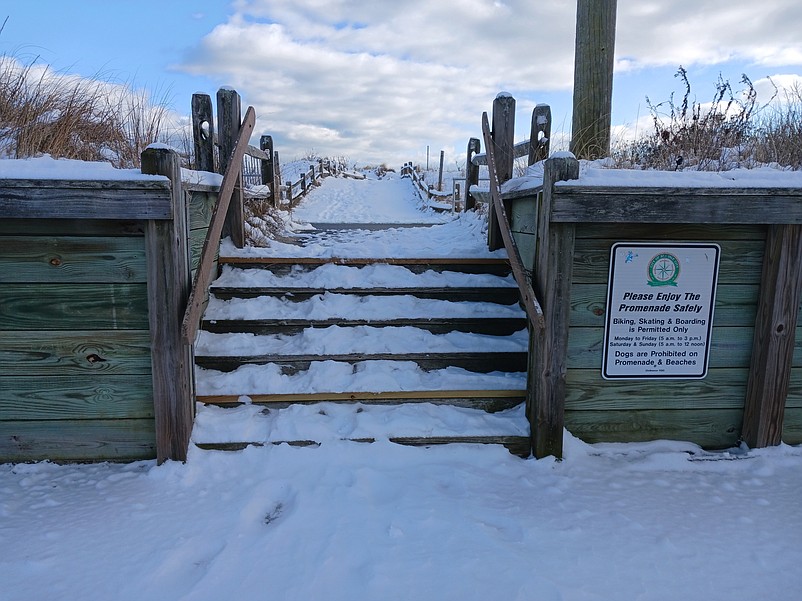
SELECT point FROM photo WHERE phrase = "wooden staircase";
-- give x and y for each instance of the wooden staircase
(455, 323)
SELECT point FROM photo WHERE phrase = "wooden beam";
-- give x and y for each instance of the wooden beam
(503, 141)
(167, 257)
(528, 297)
(541, 124)
(203, 132)
(775, 329)
(229, 113)
(107, 200)
(549, 345)
(471, 173)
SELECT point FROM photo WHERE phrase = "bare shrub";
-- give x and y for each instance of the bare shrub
(43, 112)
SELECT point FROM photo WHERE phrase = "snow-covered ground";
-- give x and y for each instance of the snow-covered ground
(658, 521)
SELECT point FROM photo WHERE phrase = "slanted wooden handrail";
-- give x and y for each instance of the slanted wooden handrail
(531, 305)
(203, 275)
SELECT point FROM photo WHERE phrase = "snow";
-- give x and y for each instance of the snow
(344, 276)
(365, 376)
(347, 521)
(659, 521)
(46, 167)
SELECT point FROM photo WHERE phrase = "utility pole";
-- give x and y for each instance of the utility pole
(593, 78)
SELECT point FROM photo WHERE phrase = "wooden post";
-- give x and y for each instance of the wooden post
(554, 254)
(268, 177)
(471, 173)
(440, 175)
(504, 142)
(541, 123)
(593, 78)
(277, 177)
(773, 343)
(169, 282)
(203, 132)
(229, 115)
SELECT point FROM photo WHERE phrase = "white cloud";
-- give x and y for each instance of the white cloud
(381, 80)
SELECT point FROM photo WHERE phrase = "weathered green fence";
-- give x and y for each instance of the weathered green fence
(94, 277)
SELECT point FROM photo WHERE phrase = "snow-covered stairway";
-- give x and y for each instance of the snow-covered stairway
(420, 351)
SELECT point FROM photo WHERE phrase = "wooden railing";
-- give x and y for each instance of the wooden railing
(531, 305)
(536, 148)
(203, 275)
(428, 191)
(293, 192)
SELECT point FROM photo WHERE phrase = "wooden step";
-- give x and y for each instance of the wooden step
(476, 362)
(494, 266)
(498, 326)
(517, 445)
(485, 400)
(505, 295)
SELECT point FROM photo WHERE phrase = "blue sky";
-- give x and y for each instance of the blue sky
(381, 80)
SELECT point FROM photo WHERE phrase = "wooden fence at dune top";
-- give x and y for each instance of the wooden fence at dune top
(700, 343)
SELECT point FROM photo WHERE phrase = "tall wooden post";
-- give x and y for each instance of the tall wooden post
(593, 78)
(229, 117)
(471, 173)
(548, 346)
(203, 132)
(504, 141)
(277, 177)
(268, 173)
(169, 283)
(774, 339)
(440, 174)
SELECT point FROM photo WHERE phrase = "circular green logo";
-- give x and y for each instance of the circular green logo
(663, 270)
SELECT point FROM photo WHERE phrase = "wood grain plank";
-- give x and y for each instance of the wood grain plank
(577, 204)
(43, 199)
(49, 352)
(73, 306)
(76, 397)
(73, 259)
(80, 440)
(774, 338)
(477, 362)
(709, 428)
(71, 227)
(723, 388)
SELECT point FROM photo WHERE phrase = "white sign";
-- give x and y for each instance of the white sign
(660, 301)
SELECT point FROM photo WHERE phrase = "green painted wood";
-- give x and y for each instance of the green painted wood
(526, 248)
(42, 353)
(792, 426)
(722, 389)
(736, 305)
(709, 428)
(57, 199)
(523, 215)
(623, 205)
(729, 347)
(36, 259)
(201, 207)
(672, 231)
(77, 440)
(76, 397)
(741, 260)
(71, 227)
(73, 306)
